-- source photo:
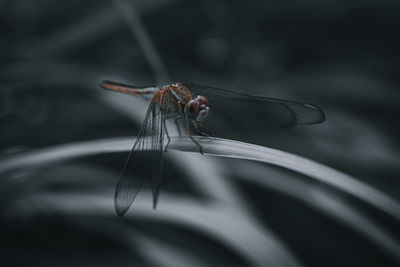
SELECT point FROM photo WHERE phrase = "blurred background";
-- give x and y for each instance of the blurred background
(340, 55)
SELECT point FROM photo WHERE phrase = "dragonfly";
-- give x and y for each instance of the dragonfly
(199, 109)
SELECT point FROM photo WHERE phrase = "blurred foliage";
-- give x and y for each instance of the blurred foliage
(340, 55)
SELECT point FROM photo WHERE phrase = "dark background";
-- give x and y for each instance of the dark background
(340, 55)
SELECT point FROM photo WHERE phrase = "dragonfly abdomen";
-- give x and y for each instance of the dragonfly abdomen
(128, 89)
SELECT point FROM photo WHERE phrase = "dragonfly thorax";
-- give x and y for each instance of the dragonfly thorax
(179, 92)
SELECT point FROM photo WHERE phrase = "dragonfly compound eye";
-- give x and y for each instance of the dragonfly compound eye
(194, 106)
(202, 99)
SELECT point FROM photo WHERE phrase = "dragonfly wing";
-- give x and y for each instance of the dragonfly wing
(235, 112)
(159, 115)
(144, 161)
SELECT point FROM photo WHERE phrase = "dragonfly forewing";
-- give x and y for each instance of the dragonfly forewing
(237, 113)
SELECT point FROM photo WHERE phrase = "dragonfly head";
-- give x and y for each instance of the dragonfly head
(199, 107)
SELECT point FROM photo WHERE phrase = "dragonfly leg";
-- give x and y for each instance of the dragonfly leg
(202, 129)
(194, 141)
(178, 117)
(189, 132)
(177, 125)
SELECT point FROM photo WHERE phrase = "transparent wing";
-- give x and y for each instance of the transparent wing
(232, 112)
(144, 161)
